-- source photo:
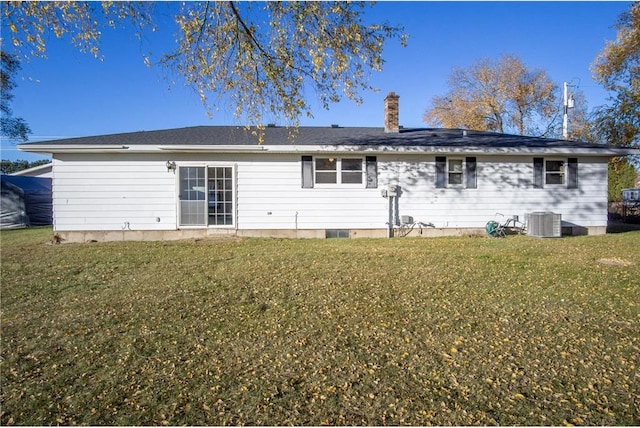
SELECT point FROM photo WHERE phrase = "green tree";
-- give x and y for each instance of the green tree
(260, 55)
(10, 127)
(496, 95)
(617, 68)
(622, 175)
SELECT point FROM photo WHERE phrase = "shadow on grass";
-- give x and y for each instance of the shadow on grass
(619, 226)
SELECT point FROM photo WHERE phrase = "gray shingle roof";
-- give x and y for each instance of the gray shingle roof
(352, 136)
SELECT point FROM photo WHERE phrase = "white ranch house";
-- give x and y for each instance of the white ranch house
(318, 181)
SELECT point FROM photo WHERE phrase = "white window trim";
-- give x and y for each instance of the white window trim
(463, 174)
(565, 165)
(338, 171)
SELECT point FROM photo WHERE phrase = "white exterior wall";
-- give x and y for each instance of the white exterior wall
(114, 192)
(270, 196)
(504, 185)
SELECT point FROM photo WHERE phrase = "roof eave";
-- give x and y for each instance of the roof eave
(341, 149)
(64, 148)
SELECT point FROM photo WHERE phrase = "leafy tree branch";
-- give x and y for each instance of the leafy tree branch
(264, 57)
(617, 67)
(14, 128)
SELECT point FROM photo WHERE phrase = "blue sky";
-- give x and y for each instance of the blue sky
(73, 94)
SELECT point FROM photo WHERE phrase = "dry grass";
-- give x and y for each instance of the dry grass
(445, 331)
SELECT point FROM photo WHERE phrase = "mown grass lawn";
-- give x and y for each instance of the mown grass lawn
(445, 331)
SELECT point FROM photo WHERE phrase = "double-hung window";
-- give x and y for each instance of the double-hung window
(555, 172)
(456, 172)
(351, 171)
(326, 170)
(338, 171)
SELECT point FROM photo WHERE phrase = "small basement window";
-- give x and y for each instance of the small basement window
(336, 233)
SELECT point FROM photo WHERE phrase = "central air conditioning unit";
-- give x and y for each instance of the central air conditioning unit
(544, 225)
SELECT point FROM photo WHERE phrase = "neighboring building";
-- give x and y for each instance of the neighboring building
(13, 213)
(25, 201)
(317, 182)
(40, 171)
(27, 198)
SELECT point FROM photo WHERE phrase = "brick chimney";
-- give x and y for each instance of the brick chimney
(391, 113)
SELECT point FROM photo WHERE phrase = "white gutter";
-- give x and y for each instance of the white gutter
(76, 148)
(587, 151)
(213, 148)
(295, 149)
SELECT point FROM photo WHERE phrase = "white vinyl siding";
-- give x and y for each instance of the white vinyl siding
(270, 196)
(119, 191)
(504, 185)
(112, 192)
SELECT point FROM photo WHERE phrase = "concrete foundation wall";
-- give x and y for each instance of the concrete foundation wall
(173, 235)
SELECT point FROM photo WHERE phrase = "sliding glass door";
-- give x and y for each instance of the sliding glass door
(220, 196)
(206, 196)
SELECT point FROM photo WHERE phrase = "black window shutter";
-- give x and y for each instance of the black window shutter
(472, 182)
(538, 173)
(572, 173)
(441, 177)
(372, 172)
(307, 172)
